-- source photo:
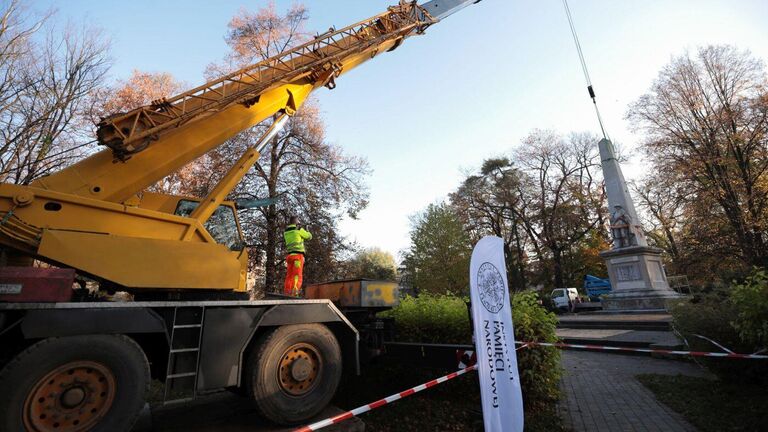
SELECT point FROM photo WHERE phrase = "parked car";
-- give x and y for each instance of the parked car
(565, 299)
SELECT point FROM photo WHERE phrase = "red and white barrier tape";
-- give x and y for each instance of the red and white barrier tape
(381, 402)
(387, 400)
(649, 350)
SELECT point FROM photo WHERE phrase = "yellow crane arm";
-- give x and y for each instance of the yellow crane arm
(151, 142)
(83, 216)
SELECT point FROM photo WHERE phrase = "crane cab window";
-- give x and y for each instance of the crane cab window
(222, 225)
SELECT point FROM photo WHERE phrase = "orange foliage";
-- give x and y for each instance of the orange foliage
(254, 36)
(140, 89)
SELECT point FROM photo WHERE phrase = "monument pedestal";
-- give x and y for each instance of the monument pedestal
(637, 279)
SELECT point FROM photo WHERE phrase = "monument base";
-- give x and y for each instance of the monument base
(638, 280)
(641, 301)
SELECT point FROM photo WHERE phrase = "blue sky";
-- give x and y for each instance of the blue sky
(469, 89)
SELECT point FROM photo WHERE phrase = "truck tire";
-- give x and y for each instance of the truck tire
(293, 372)
(74, 384)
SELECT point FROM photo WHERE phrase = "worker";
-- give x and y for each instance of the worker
(294, 245)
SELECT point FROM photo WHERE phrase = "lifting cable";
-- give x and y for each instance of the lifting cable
(590, 89)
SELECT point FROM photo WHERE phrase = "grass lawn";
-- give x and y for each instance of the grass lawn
(451, 406)
(712, 405)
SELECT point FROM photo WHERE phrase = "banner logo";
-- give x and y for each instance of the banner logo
(492, 287)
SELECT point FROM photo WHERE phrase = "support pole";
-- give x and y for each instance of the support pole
(214, 199)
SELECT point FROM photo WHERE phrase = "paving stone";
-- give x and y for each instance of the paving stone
(601, 393)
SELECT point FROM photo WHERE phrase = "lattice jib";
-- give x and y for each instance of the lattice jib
(131, 132)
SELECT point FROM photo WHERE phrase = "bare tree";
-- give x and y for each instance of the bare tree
(664, 203)
(561, 198)
(45, 88)
(299, 170)
(489, 202)
(142, 88)
(546, 202)
(15, 47)
(310, 178)
(706, 125)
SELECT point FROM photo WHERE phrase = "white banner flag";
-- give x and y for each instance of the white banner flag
(495, 338)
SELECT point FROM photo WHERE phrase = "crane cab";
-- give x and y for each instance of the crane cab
(223, 225)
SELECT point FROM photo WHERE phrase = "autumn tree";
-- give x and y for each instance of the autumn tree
(46, 76)
(680, 223)
(562, 200)
(437, 259)
(303, 173)
(663, 204)
(705, 121)
(546, 202)
(489, 203)
(372, 263)
(140, 89)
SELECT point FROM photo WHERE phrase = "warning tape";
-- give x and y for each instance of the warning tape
(649, 350)
(397, 396)
(387, 400)
(381, 402)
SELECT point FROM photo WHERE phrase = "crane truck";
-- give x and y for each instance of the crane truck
(74, 363)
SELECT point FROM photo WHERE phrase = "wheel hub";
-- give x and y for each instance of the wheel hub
(71, 398)
(300, 367)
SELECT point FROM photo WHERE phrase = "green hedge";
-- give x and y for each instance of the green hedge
(539, 366)
(444, 319)
(735, 318)
(751, 302)
(432, 319)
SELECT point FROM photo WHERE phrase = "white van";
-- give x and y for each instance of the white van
(565, 298)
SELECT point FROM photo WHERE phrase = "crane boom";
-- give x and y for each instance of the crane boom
(152, 141)
(440, 9)
(319, 61)
(94, 216)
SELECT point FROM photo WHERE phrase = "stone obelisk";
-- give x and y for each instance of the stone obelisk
(638, 280)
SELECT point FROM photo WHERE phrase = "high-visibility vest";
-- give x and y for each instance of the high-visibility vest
(294, 239)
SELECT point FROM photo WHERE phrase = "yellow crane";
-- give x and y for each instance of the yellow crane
(94, 216)
(77, 366)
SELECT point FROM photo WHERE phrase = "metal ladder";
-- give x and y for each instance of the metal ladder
(182, 349)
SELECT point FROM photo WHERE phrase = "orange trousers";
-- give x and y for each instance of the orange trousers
(294, 275)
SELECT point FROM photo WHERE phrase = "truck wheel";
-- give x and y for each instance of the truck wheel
(73, 384)
(293, 372)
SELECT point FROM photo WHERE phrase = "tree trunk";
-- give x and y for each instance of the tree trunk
(272, 224)
(270, 265)
(557, 267)
(520, 258)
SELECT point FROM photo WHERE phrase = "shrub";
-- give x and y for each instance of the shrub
(546, 300)
(432, 318)
(445, 319)
(539, 366)
(751, 301)
(736, 320)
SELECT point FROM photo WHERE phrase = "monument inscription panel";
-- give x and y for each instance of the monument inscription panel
(628, 272)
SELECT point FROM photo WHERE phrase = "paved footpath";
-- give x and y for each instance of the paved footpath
(600, 393)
